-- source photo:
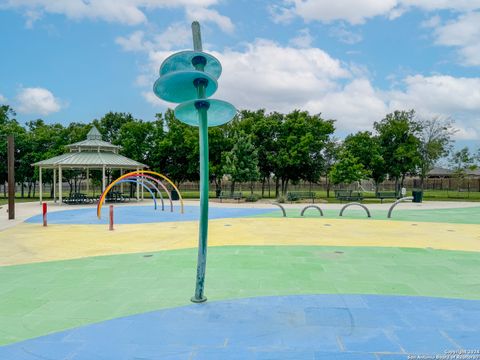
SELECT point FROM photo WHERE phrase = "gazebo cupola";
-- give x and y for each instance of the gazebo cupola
(93, 143)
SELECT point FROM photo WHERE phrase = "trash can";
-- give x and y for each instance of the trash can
(417, 196)
(174, 194)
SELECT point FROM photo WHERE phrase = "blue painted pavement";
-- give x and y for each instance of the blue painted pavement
(142, 214)
(314, 327)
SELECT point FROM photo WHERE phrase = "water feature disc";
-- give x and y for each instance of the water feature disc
(178, 86)
(219, 112)
(182, 61)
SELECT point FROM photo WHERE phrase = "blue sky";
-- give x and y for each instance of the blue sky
(351, 60)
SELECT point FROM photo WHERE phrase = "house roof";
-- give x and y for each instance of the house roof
(439, 171)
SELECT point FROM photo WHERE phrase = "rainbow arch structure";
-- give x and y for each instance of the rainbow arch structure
(138, 174)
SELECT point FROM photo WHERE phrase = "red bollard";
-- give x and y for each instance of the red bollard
(44, 208)
(111, 217)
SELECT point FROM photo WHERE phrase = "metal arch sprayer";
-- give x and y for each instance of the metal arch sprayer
(190, 78)
(130, 174)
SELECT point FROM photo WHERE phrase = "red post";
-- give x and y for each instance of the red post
(44, 208)
(111, 217)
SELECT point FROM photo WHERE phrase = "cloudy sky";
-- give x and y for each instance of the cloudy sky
(351, 60)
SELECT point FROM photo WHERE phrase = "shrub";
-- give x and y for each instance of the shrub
(251, 198)
(281, 199)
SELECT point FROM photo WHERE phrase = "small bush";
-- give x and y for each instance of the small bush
(251, 198)
(281, 200)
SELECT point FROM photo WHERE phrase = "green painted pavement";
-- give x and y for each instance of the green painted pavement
(451, 216)
(36, 299)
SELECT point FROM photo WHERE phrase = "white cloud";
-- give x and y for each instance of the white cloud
(276, 77)
(208, 15)
(458, 98)
(282, 78)
(303, 39)
(432, 22)
(439, 94)
(352, 11)
(344, 35)
(176, 34)
(37, 101)
(357, 12)
(3, 99)
(130, 12)
(356, 106)
(463, 33)
(134, 42)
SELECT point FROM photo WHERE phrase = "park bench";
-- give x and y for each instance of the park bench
(228, 195)
(300, 195)
(76, 199)
(348, 195)
(386, 195)
(115, 196)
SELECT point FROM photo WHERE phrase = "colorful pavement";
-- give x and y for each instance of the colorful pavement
(278, 288)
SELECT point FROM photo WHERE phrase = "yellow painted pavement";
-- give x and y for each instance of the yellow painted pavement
(27, 243)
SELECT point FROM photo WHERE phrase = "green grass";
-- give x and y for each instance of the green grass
(369, 197)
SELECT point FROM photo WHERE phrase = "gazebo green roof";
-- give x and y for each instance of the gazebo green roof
(91, 153)
(90, 159)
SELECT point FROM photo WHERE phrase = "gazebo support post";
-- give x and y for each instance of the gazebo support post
(121, 185)
(40, 188)
(138, 189)
(60, 185)
(88, 181)
(103, 178)
(54, 185)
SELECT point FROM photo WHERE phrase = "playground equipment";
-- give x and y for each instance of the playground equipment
(282, 208)
(311, 206)
(158, 182)
(11, 177)
(44, 213)
(189, 78)
(407, 198)
(140, 182)
(138, 178)
(110, 218)
(354, 204)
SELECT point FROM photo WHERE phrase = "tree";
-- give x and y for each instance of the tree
(137, 140)
(111, 123)
(330, 155)
(366, 148)
(435, 143)
(10, 126)
(461, 161)
(347, 170)
(219, 144)
(264, 130)
(241, 163)
(398, 134)
(180, 150)
(300, 141)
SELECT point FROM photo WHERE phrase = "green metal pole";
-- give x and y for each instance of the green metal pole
(202, 108)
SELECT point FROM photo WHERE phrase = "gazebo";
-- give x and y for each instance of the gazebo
(92, 153)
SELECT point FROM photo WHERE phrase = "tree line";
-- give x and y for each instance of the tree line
(273, 148)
